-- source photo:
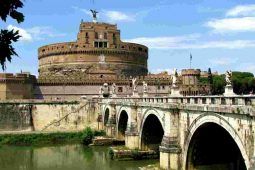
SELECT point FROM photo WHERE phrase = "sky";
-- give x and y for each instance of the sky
(219, 34)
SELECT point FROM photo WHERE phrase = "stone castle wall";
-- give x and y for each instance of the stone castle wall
(19, 86)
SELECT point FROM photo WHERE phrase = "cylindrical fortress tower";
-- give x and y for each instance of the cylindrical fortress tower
(98, 52)
(190, 76)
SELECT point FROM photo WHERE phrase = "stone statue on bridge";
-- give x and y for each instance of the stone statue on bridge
(175, 91)
(229, 88)
(228, 78)
(134, 86)
(145, 89)
(113, 90)
(175, 77)
(104, 90)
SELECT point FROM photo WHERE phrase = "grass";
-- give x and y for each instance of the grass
(38, 139)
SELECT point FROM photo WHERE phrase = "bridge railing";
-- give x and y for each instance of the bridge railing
(248, 100)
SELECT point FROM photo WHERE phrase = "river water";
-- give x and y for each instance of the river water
(67, 157)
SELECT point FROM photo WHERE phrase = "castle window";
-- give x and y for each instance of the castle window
(87, 35)
(100, 44)
(105, 44)
(105, 35)
(114, 38)
(96, 35)
(96, 44)
(140, 49)
(43, 50)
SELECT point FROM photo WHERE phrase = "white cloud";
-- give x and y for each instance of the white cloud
(190, 42)
(242, 10)
(248, 67)
(115, 16)
(41, 32)
(164, 42)
(223, 61)
(35, 33)
(159, 70)
(232, 24)
(25, 35)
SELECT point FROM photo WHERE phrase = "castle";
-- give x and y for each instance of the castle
(70, 70)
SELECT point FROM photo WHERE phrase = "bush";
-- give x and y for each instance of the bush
(100, 133)
(87, 136)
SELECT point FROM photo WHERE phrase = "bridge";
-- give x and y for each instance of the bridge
(189, 132)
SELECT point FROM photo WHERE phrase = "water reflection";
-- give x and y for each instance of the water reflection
(68, 157)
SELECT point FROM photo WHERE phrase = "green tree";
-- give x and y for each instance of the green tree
(243, 83)
(218, 84)
(7, 37)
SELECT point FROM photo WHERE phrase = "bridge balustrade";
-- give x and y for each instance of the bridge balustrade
(192, 100)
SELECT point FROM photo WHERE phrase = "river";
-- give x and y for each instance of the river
(67, 157)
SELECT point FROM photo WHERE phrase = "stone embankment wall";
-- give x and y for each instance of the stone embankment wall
(15, 117)
(48, 115)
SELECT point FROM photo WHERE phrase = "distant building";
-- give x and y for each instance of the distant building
(190, 84)
(98, 52)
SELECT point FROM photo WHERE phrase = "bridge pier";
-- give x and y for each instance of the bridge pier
(170, 149)
(110, 127)
(170, 154)
(132, 136)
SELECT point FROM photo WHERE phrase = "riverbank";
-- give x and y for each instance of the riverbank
(49, 138)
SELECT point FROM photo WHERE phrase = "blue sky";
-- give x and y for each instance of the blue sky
(218, 33)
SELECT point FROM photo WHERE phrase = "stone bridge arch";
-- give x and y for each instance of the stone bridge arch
(151, 130)
(123, 121)
(223, 125)
(106, 114)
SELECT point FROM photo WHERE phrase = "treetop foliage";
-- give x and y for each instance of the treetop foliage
(9, 8)
(243, 83)
(7, 37)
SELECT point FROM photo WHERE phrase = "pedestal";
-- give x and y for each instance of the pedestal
(175, 92)
(135, 94)
(229, 91)
(145, 94)
(113, 96)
